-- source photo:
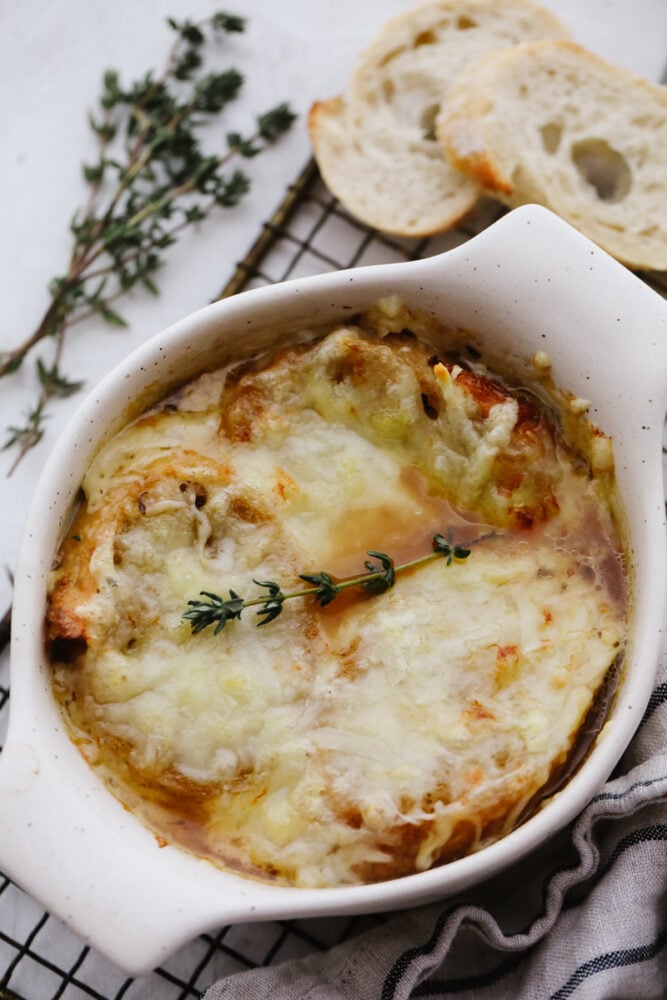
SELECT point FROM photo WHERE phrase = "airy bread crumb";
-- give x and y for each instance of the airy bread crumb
(376, 148)
(549, 122)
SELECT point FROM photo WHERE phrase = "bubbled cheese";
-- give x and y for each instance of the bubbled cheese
(380, 735)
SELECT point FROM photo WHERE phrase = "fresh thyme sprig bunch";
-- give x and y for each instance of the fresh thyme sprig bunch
(379, 577)
(150, 180)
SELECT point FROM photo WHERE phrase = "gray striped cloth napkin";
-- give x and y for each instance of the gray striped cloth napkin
(585, 916)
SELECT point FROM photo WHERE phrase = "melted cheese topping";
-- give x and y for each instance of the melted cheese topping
(380, 735)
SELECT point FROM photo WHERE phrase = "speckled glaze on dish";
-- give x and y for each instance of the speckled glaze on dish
(528, 283)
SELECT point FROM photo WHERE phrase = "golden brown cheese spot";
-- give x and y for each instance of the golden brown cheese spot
(525, 472)
(249, 408)
(380, 735)
(477, 711)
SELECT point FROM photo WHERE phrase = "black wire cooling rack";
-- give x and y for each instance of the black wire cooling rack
(40, 958)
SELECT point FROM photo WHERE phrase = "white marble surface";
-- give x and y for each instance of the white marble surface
(52, 55)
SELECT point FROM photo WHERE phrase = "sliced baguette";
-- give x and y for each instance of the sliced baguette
(551, 123)
(376, 148)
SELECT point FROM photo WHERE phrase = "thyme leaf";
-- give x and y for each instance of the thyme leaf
(273, 605)
(151, 179)
(449, 551)
(326, 589)
(30, 433)
(213, 611)
(53, 382)
(380, 575)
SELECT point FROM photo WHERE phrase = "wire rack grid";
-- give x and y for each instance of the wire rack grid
(40, 958)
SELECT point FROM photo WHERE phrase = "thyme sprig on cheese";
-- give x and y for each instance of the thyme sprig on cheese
(380, 576)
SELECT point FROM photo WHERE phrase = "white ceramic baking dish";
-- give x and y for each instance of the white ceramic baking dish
(528, 283)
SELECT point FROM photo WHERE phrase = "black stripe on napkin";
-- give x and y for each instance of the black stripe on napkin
(434, 987)
(611, 960)
(658, 698)
(615, 796)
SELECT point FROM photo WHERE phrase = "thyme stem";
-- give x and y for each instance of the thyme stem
(380, 576)
(151, 180)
